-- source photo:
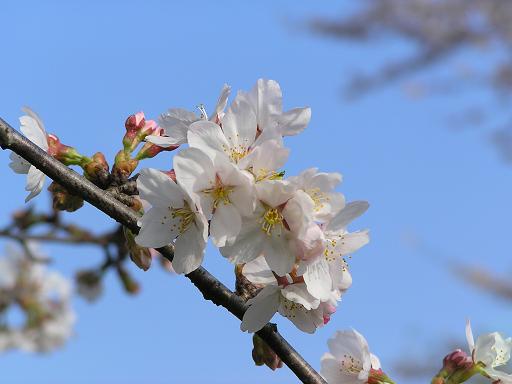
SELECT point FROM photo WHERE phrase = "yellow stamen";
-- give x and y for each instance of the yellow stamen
(270, 219)
(185, 215)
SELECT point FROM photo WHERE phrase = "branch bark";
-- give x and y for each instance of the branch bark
(211, 288)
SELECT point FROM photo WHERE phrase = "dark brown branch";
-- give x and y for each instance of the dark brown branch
(210, 287)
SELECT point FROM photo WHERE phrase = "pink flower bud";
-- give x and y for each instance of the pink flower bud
(137, 128)
(457, 360)
(65, 154)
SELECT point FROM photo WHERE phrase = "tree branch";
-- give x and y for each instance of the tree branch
(211, 288)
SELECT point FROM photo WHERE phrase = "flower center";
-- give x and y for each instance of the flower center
(219, 193)
(351, 365)
(237, 149)
(185, 215)
(318, 197)
(270, 219)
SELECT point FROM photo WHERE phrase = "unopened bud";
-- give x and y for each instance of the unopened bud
(457, 360)
(139, 255)
(96, 170)
(377, 376)
(65, 154)
(63, 200)
(124, 165)
(263, 354)
(137, 128)
(89, 284)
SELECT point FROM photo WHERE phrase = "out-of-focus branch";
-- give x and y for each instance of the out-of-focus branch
(485, 280)
(211, 288)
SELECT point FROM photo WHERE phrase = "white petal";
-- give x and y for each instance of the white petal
(239, 124)
(351, 211)
(318, 279)
(306, 321)
(209, 138)
(176, 123)
(340, 275)
(278, 254)
(194, 172)
(162, 141)
(350, 343)
(189, 250)
(330, 370)
(35, 182)
(469, 337)
(269, 102)
(294, 121)
(32, 127)
(158, 228)
(248, 245)
(225, 225)
(502, 377)
(261, 310)
(159, 189)
(275, 192)
(221, 102)
(265, 158)
(258, 272)
(299, 294)
(18, 164)
(375, 361)
(351, 242)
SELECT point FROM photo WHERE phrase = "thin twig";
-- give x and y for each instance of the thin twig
(210, 287)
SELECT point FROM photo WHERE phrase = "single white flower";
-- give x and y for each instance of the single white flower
(176, 121)
(349, 360)
(33, 128)
(236, 137)
(266, 232)
(266, 100)
(221, 188)
(173, 215)
(490, 351)
(291, 299)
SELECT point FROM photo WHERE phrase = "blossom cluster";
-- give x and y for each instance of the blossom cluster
(290, 234)
(44, 298)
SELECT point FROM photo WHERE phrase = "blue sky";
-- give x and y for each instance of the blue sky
(84, 66)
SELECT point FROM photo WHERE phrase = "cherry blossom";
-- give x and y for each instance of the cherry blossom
(490, 351)
(44, 297)
(222, 190)
(173, 216)
(284, 295)
(266, 232)
(349, 360)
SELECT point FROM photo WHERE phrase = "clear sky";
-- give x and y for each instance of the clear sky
(84, 66)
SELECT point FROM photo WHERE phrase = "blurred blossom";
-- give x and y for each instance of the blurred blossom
(43, 296)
